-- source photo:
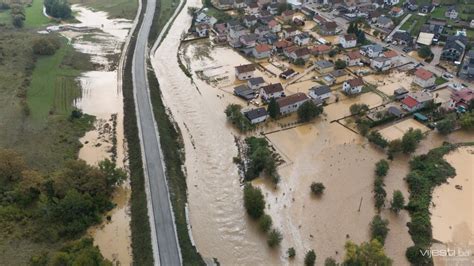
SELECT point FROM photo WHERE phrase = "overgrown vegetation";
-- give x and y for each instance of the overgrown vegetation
(235, 116)
(58, 8)
(381, 169)
(367, 253)
(261, 159)
(308, 111)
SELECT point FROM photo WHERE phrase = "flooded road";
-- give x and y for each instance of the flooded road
(101, 97)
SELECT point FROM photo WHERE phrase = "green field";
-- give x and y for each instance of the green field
(414, 24)
(34, 15)
(116, 8)
(5, 17)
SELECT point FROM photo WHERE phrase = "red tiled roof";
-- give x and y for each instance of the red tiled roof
(354, 55)
(282, 44)
(390, 54)
(423, 74)
(292, 99)
(356, 82)
(410, 102)
(350, 37)
(321, 48)
(261, 48)
(272, 23)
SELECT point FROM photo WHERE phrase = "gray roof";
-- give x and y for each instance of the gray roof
(320, 90)
(256, 113)
(324, 64)
(244, 91)
(384, 20)
(394, 111)
(256, 81)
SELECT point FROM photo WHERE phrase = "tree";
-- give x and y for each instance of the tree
(410, 140)
(317, 188)
(291, 252)
(46, 45)
(467, 120)
(367, 253)
(18, 21)
(254, 202)
(363, 125)
(58, 8)
(299, 62)
(361, 37)
(308, 111)
(359, 109)
(310, 258)
(340, 64)
(415, 256)
(274, 238)
(398, 201)
(394, 147)
(424, 52)
(273, 108)
(377, 138)
(381, 168)
(332, 53)
(379, 193)
(379, 229)
(446, 125)
(265, 223)
(11, 167)
(235, 116)
(330, 262)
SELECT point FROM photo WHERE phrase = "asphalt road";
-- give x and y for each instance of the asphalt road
(162, 219)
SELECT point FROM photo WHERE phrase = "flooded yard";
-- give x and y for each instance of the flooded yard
(397, 130)
(389, 83)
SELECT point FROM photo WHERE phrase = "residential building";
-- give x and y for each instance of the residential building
(320, 93)
(320, 49)
(461, 99)
(292, 102)
(348, 40)
(261, 51)
(244, 72)
(328, 28)
(416, 101)
(248, 40)
(274, 26)
(384, 22)
(236, 31)
(394, 111)
(252, 9)
(274, 90)
(273, 8)
(353, 86)
(256, 116)
(225, 4)
(255, 83)
(396, 12)
(471, 25)
(467, 70)
(391, 2)
(424, 78)
(352, 58)
(324, 66)
(244, 92)
(250, 20)
(202, 30)
(426, 8)
(400, 93)
(393, 56)
(451, 13)
(454, 48)
(381, 63)
(402, 38)
(240, 4)
(294, 53)
(280, 46)
(290, 32)
(374, 15)
(371, 50)
(262, 30)
(302, 39)
(319, 20)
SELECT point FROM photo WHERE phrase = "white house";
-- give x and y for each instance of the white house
(348, 40)
(256, 116)
(451, 13)
(424, 78)
(381, 63)
(274, 26)
(202, 30)
(255, 83)
(291, 103)
(371, 50)
(393, 56)
(352, 58)
(416, 101)
(302, 39)
(244, 72)
(353, 86)
(320, 93)
(274, 90)
(261, 51)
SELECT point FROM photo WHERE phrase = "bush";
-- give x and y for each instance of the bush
(261, 159)
(359, 109)
(330, 262)
(376, 138)
(446, 125)
(379, 193)
(274, 238)
(273, 108)
(18, 21)
(363, 125)
(310, 258)
(308, 111)
(410, 140)
(265, 223)
(379, 229)
(46, 45)
(254, 202)
(235, 116)
(381, 168)
(317, 188)
(415, 256)
(424, 52)
(291, 252)
(58, 8)
(340, 64)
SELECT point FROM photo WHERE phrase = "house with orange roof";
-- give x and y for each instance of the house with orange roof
(320, 49)
(352, 58)
(424, 78)
(261, 51)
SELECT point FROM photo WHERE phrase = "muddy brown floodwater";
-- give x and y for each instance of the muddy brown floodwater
(101, 98)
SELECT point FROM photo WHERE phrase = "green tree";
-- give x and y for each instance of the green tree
(381, 168)
(377, 138)
(308, 111)
(394, 147)
(310, 258)
(379, 193)
(317, 188)
(274, 238)
(299, 62)
(273, 108)
(424, 52)
(340, 64)
(398, 201)
(291, 252)
(330, 262)
(363, 125)
(235, 116)
(467, 121)
(415, 256)
(379, 229)
(359, 109)
(11, 167)
(46, 45)
(18, 21)
(446, 125)
(254, 202)
(265, 222)
(410, 140)
(58, 8)
(367, 253)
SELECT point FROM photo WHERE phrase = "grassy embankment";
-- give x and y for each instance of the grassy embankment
(34, 15)
(115, 8)
(171, 144)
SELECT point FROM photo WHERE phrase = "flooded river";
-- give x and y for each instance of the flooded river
(102, 98)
